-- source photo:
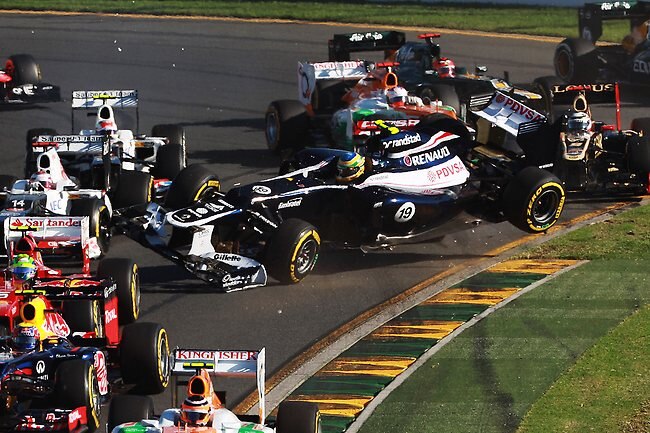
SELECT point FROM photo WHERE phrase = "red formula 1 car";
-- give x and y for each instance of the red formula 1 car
(20, 82)
(87, 309)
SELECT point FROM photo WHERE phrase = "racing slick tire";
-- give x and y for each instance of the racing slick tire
(75, 385)
(298, 417)
(441, 92)
(23, 69)
(638, 159)
(287, 125)
(169, 161)
(575, 60)
(171, 158)
(144, 357)
(126, 275)
(129, 408)
(30, 158)
(533, 200)
(134, 188)
(292, 251)
(641, 125)
(83, 315)
(99, 219)
(192, 183)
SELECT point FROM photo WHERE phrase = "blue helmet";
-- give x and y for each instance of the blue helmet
(25, 338)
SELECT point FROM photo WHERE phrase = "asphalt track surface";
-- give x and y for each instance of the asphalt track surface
(216, 79)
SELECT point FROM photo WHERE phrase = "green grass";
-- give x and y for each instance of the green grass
(557, 358)
(548, 21)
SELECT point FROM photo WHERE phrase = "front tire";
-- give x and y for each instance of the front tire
(298, 417)
(171, 158)
(127, 277)
(192, 183)
(575, 61)
(144, 357)
(287, 125)
(75, 385)
(292, 251)
(533, 200)
(99, 219)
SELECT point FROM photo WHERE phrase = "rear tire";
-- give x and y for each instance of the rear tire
(192, 183)
(129, 408)
(171, 158)
(638, 157)
(533, 200)
(169, 161)
(134, 188)
(83, 316)
(287, 125)
(99, 219)
(23, 69)
(292, 251)
(75, 385)
(144, 357)
(575, 61)
(127, 277)
(298, 417)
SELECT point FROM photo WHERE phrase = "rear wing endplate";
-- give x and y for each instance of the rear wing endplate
(229, 363)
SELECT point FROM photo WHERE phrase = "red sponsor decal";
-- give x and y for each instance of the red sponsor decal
(518, 108)
(76, 417)
(450, 170)
(55, 324)
(195, 354)
(101, 372)
(38, 223)
(240, 355)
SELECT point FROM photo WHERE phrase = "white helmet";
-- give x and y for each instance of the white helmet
(41, 181)
(396, 95)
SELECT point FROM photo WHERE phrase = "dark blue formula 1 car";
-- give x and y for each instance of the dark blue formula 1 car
(409, 186)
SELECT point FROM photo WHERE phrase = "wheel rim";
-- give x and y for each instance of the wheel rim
(563, 65)
(272, 129)
(306, 256)
(545, 207)
(93, 395)
(163, 358)
(135, 292)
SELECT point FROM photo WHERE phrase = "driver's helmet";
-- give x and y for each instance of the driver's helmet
(445, 67)
(25, 338)
(396, 95)
(349, 167)
(576, 125)
(105, 123)
(23, 267)
(196, 410)
(41, 181)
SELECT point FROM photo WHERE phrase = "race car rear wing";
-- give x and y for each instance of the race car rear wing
(592, 15)
(52, 233)
(91, 144)
(95, 99)
(341, 45)
(310, 73)
(229, 363)
(582, 95)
